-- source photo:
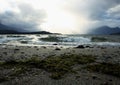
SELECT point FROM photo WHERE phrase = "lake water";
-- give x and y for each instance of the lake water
(63, 40)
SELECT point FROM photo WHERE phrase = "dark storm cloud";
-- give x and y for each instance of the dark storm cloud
(27, 18)
(94, 9)
(114, 12)
(97, 12)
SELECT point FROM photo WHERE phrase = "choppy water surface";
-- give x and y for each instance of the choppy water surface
(65, 40)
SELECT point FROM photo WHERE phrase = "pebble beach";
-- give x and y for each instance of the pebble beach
(13, 71)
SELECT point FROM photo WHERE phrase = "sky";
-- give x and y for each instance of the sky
(60, 16)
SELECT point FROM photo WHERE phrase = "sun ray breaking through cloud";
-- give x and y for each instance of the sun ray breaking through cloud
(63, 16)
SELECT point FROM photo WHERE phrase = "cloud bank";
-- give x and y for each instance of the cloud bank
(24, 18)
(95, 13)
(56, 14)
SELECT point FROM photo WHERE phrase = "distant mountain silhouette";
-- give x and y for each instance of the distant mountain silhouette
(116, 33)
(105, 30)
(38, 32)
(6, 29)
(11, 30)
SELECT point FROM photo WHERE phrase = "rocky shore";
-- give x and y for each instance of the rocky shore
(58, 65)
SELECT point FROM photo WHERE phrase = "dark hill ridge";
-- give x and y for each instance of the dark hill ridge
(105, 30)
(11, 30)
(6, 29)
(116, 33)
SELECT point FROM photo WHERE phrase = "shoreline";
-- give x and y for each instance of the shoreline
(62, 40)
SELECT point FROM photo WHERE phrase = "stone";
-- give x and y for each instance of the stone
(80, 46)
